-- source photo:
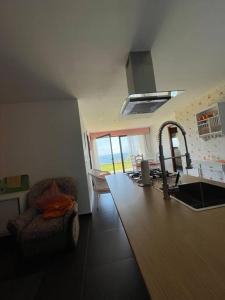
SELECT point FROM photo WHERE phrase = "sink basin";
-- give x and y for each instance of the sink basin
(200, 195)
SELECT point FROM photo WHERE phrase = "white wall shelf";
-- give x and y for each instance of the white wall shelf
(11, 205)
(211, 121)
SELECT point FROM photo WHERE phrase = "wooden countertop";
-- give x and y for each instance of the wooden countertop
(180, 252)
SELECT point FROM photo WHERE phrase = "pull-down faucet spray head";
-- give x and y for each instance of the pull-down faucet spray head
(161, 155)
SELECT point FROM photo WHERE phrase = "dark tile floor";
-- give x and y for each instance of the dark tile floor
(102, 267)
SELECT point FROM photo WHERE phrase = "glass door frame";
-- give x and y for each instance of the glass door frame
(121, 152)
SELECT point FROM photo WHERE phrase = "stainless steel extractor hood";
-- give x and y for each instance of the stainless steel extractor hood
(143, 97)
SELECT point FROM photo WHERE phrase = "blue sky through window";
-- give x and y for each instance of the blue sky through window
(103, 145)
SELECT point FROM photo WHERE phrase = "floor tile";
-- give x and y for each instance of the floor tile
(106, 216)
(106, 202)
(104, 221)
(119, 280)
(24, 288)
(62, 282)
(7, 258)
(108, 246)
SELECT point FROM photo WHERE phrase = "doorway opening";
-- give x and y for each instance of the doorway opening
(175, 149)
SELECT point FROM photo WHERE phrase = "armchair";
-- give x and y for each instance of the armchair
(36, 235)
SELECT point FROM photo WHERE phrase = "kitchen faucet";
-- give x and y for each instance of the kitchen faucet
(166, 191)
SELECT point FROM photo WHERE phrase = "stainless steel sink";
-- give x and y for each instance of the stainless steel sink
(200, 195)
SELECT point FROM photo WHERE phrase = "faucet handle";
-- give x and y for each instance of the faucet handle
(172, 189)
(177, 178)
(188, 161)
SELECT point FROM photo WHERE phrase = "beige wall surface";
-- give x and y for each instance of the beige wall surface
(87, 161)
(154, 131)
(43, 139)
(212, 149)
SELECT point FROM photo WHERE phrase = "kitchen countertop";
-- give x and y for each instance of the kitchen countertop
(180, 252)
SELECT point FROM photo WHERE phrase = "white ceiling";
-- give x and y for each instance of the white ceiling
(58, 49)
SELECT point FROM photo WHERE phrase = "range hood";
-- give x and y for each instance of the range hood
(143, 97)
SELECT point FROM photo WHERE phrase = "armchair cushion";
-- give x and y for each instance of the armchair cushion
(40, 228)
(16, 225)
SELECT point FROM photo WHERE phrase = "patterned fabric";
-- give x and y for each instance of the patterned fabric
(40, 228)
(66, 185)
(37, 190)
(75, 230)
(16, 226)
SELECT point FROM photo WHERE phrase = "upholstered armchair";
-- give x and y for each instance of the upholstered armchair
(36, 235)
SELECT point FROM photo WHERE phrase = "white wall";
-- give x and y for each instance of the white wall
(43, 139)
(87, 161)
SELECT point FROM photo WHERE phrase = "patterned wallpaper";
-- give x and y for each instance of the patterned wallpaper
(212, 149)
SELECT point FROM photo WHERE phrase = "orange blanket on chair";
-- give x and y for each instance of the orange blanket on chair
(53, 203)
(57, 207)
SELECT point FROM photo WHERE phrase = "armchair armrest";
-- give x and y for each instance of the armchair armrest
(71, 225)
(72, 212)
(16, 225)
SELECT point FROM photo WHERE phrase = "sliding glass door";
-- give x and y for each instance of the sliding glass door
(105, 153)
(114, 153)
